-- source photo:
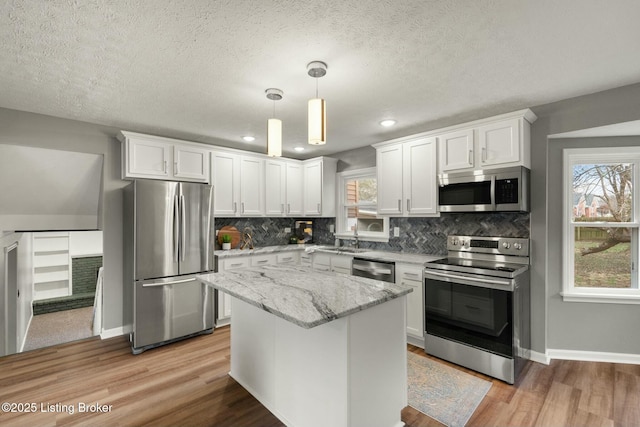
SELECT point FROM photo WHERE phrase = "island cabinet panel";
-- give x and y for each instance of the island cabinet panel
(349, 372)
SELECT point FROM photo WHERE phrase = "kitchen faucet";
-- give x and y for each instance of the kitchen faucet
(356, 243)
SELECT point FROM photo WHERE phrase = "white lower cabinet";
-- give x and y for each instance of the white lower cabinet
(224, 300)
(411, 275)
(292, 257)
(334, 263)
(246, 261)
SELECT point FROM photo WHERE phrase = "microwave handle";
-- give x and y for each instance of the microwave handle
(493, 192)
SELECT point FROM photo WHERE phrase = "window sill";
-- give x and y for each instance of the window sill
(600, 298)
(364, 237)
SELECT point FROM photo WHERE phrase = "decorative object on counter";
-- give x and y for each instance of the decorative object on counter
(317, 107)
(441, 392)
(247, 238)
(232, 232)
(274, 126)
(226, 242)
(304, 231)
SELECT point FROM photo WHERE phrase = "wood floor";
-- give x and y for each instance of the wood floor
(186, 384)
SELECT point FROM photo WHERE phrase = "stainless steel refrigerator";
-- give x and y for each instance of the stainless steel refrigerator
(168, 239)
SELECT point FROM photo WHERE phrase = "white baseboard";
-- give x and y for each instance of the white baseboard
(539, 357)
(594, 356)
(114, 332)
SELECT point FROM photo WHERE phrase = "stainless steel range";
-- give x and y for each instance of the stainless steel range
(477, 305)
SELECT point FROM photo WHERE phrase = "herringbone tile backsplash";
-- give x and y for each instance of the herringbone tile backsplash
(417, 235)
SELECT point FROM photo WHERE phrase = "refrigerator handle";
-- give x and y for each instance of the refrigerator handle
(176, 228)
(183, 232)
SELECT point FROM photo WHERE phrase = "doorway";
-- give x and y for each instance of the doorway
(67, 270)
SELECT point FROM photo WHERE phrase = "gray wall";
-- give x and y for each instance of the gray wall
(556, 324)
(35, 130)
(595, 327)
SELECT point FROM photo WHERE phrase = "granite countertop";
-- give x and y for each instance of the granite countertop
(409, 258)
(301, 295)
(262, 250)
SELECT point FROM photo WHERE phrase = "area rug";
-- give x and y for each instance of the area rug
(443, 393)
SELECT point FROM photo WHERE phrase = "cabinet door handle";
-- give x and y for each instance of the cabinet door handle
(288, 207)
(318, 207)
(175, 168)
(399, 205)
(411, 274)
(470, 157)
(235, 207)
(282, 208)
(287, 258)
(242, 207)
(165, 167)
(484, 154)
(239, 264)
(262, 261)
(408, 205)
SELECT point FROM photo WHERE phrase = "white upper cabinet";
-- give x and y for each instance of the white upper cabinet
(190, 163)
(499, 141)
(456, 150)
(389, 171)
(283, 187)
(419, 172)
(275, 187)
(237, 184)
(251, 190)
(293, 191)
(152, 157)
(225, 177)
(407, 177)
(319, 181)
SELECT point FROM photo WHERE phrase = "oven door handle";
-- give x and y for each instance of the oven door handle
(450, 277)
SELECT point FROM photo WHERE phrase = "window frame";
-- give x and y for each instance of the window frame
(575, 156)
(341, 205)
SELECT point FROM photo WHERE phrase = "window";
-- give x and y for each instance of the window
(601, 224)
(357, 207)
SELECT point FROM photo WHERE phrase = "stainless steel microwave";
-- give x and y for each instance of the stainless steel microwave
(504, 190)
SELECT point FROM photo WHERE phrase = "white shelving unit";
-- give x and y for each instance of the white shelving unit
(51, 265)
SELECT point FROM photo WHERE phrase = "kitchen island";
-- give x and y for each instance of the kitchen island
(318, 348)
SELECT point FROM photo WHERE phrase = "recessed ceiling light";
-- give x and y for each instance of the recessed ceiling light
(249, 138)
(299, 149)
(387, 123)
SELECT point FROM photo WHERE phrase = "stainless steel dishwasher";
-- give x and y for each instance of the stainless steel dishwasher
(379, 270)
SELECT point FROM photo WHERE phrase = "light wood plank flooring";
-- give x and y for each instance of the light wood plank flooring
(186, 384)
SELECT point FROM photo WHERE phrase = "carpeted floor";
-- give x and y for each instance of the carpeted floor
(443, 393)
(59, 327)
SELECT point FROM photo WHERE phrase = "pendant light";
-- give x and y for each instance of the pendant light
(317, 107)
(274, 126)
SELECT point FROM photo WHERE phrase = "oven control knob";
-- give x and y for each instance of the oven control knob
(463, 243)
(454, 242)
(506, 245)
(517, 246)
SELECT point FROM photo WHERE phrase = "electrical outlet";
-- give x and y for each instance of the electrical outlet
(287, 229)
(396, 231)
(331, 228)
(217, 233)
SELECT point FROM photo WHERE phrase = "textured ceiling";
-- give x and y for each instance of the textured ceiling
(197, 70)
